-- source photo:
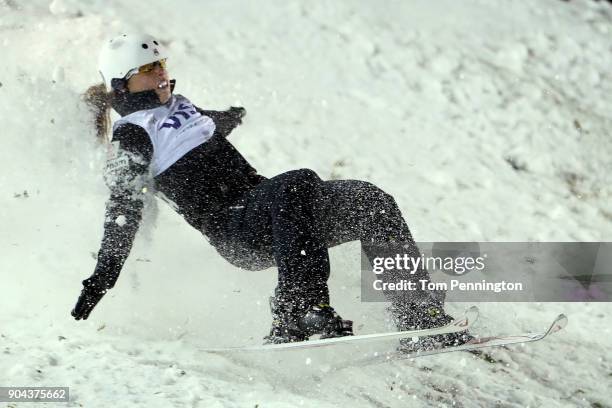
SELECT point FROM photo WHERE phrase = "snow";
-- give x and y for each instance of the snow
(435, 102)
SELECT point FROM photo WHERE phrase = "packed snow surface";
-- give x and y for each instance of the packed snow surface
(486, 120)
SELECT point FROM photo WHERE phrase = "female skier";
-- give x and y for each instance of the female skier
(166, 145)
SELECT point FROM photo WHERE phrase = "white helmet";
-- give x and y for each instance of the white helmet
(126, 52)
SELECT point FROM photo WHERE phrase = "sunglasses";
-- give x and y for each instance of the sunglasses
(143, 69)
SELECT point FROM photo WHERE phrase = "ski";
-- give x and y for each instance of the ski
(457, 325)
(483, 342)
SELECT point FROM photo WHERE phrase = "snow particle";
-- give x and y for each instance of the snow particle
(303, 252)
(308, 361)
(58, 74)
(120, 220)
(63, 8)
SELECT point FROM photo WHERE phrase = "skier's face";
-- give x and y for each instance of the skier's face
(156, 79)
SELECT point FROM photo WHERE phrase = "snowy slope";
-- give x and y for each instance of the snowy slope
(434, 102)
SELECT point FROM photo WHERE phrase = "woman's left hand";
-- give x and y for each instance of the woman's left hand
(90, 296)
(237, 113)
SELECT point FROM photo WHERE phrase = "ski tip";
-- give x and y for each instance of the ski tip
(472, 310)
(468, 319)
(472, 314)
(559, 323)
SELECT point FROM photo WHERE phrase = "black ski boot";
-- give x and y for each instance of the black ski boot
(285, 323)
(418, 317)
(291, 325)
(322, 319)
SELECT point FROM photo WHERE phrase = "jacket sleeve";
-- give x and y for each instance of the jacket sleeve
(127, 175)
(225, 121)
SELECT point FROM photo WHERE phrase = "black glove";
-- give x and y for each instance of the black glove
(91, 294)
(236, 113)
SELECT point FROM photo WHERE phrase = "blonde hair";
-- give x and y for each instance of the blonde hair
(98, 100)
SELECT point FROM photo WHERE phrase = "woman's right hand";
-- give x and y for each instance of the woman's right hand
(91, 294)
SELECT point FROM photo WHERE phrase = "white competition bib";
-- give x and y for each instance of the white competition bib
(175, 129)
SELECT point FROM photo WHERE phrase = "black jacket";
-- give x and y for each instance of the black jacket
(203, 183)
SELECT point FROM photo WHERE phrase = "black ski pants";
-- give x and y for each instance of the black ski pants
(290, 220)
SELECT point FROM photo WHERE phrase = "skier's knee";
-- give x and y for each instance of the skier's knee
(305, 176)
(302, 180)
